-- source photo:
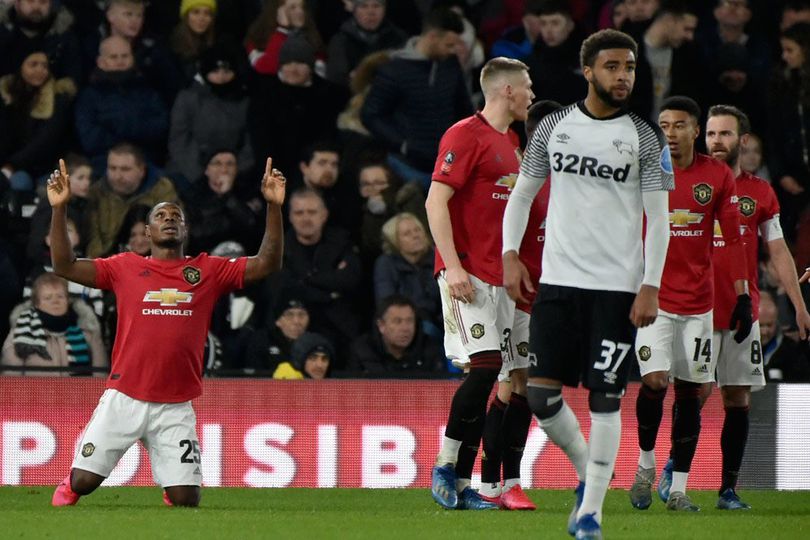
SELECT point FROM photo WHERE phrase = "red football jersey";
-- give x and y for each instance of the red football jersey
(531, 250)
(164, 312)
(758, 205)
(704, 191)
(482, 165)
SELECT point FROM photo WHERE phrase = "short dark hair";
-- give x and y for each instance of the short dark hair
(138, 213)
(800, 33)
(319, 146)
(743, 123)
(678, 8)
(796, 5)
(538, 111)
(305, 193)
(605, 39)
(131, 149)
(443, 20)
(550, 7)
(73, 161)
(393, 300)
(682, 103)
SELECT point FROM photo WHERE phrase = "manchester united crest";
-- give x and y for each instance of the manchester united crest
(191, 275)
(644, 353)
(747, 206)
(702, 193)
(523, 348)
(88, 449)
(477, 331)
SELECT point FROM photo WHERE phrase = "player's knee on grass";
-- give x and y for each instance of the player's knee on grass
(736, 396)
(656, 380)
(84, 482)
(602, 402)
(184, 495)
(545, 401)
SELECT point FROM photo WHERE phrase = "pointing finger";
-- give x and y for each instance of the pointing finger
(268, 169)
(62, 167)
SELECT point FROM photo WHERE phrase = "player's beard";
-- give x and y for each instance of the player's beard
(732, 155)
(605, 95)
(168, 243)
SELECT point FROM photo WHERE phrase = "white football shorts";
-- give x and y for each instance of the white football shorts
(679, 344)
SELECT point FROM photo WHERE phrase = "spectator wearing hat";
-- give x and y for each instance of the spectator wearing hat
(396, 346)
(215, 213)
(279, 21)
(367, 31)
(47, 24)
(208, 116)
(194, 34)
(294, 108)
(38, 112)
(119, 105)
(312, 358)
(271, 345)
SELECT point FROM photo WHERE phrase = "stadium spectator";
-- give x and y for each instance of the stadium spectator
(124, 19)
(52, 331)
(470, 53)
(119, 105)
(518, 42)
(208, 116)
(668, 63)
(193, 35)
(734, 83)
(366, 32)
(785, 360)
(10, 292)
(215, 212)
(312, 358)
(638, 16)
(78, 211)
(322, 261)
(406, 268)
(752, 159)
(788, 122)
(271, 345)
(38, 116)
(794, 11)
(417, 95)
(554, 61)
(320, 171)
(279, 21)
(129, 181)
(384, 196)
(132, 234)
(293, 109)
(44, 24)
(396, 347)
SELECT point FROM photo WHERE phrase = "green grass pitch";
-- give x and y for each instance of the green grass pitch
(112, 513)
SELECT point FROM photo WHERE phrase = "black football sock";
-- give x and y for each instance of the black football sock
(493, 443)
(649, 411)
(516, 423)
(732, 443)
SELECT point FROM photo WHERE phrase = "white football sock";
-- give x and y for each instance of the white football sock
(563, 430)
(679, 481)
(449, 451)
(603, 445)
(490, 490)
(646, 459)
(510, 483)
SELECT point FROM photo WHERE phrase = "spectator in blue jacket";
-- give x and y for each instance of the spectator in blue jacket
(417, 95)
(118, 105)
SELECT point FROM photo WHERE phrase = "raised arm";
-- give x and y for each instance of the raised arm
(64, 261)
(268, 259)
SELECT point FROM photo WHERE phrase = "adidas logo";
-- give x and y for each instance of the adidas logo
(756, 371)
(703, 369)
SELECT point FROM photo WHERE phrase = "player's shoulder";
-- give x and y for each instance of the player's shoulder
(647, 129)
(126, 258)
(552, 119)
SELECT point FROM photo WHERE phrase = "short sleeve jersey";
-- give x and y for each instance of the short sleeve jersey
(531, 249)
(705, 191)
(599, 168)
(481, 164)
(164, 312)
(759, 216)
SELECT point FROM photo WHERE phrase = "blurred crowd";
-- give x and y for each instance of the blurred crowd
(183, 101)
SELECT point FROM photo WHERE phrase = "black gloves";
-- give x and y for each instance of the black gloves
(742, 318)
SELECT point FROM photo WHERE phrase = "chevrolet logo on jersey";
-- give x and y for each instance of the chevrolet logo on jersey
(168, 297)
(684, 218)
(508, 181)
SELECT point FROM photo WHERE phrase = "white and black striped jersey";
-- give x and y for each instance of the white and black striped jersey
(598, 169)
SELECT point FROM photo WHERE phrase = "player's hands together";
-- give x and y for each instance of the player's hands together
(459, 284)
(516, 277)
(58, 186)
(742, 318)
(274, 185)
(645, 307)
